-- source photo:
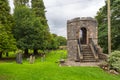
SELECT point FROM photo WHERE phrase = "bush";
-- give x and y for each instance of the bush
(114, 60)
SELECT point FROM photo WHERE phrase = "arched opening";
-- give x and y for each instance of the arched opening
(83, 35)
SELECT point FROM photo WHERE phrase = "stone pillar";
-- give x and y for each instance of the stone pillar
(72, 50)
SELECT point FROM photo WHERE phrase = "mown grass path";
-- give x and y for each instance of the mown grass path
(49, 70)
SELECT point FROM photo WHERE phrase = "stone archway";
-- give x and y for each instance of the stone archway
(83, 35)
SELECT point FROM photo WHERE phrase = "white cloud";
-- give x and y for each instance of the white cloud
(11, 5)
(59, 11)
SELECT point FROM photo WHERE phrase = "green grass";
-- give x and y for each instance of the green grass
(49, 70)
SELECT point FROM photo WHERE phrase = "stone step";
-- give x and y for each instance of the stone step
(89, 60)
(87, 54)
(86, 58)
(90, 57)
(87, 50)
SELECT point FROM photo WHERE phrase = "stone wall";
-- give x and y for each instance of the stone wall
(72, 49)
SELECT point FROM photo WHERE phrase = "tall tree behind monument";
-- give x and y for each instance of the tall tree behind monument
(7, 41)
(39, 10)
(115, 29)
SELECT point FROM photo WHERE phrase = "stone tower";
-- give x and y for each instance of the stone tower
(82, 29)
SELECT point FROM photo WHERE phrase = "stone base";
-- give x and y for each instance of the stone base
(72, 49)
(73, 63)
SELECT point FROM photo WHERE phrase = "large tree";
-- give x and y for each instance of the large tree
(39, 11)
(23, 29)
(7, 41)
(28, 30)
(102, 25)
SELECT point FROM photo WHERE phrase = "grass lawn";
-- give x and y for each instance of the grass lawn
(49, 70)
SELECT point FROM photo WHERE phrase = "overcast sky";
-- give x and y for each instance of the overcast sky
(59, 11)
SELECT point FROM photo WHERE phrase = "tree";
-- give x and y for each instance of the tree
(7, 41)
(39, 11)
(53, 44)
(23, 28)
(56, 41)
(102, 25)
(62, 41)
(28, 30)
(40, 34)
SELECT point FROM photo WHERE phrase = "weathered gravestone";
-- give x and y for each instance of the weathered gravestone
(32, 59)
(43, 58)
(19, 58)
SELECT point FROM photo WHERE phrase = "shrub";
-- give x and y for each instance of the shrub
(114, 60)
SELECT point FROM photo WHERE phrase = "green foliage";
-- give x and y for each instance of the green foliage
(20, 2)
(56, 41)
(53, 44)
(114, 60)
(23, 27)
(38, 9)
(28, 30)
(62, 41)
(7, 41)
(5, 16)
(115, 28)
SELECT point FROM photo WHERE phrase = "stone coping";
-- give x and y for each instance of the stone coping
(81, 19)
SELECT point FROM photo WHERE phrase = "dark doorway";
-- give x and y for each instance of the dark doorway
(83, 36)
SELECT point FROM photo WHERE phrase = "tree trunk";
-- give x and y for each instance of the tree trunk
(26, 52)
(35, 51)
(7, 54)
(0, 54)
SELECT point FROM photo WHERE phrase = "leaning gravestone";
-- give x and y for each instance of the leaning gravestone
(19, 58)
(32, 59)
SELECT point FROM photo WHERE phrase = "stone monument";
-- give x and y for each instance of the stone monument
(80, 32)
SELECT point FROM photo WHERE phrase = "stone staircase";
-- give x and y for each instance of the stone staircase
(87, 54)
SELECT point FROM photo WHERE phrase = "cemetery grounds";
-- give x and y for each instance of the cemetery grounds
(48, 68)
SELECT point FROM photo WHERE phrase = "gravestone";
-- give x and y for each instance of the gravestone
(32, 59)
(43, 58)
(19, 58)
